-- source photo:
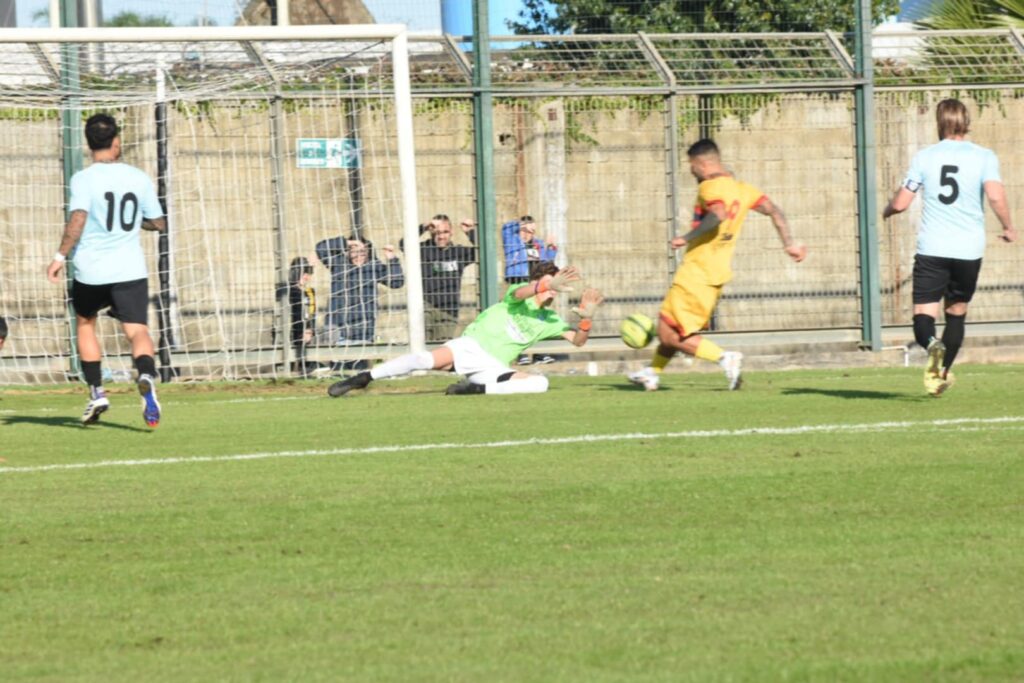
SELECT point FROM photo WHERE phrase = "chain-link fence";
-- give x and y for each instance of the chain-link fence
(590, 135)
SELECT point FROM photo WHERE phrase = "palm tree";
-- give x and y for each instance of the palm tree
(966, 14)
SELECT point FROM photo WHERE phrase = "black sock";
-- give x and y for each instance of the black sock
(924, 329)
(92, 373)
(145, 365)
(953, 338)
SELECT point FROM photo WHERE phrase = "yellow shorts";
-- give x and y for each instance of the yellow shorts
(687, 308)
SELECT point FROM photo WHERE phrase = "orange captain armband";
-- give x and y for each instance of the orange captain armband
(585, 325)
(540, 287)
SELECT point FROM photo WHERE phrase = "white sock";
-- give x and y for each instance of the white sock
(403, 365)
(534, 384)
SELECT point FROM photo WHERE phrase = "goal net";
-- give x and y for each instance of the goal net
(284, 160)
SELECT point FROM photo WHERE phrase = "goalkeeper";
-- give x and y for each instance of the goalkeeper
(496, 338)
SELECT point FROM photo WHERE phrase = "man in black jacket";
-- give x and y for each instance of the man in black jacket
(356, 274)
(443, 264)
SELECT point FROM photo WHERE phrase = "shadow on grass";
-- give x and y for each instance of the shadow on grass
(65, 421)
(626, 386)
(851, 393)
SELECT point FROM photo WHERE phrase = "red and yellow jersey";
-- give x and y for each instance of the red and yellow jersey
(708, 258)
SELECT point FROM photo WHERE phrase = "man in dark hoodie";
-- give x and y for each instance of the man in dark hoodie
(355, 275)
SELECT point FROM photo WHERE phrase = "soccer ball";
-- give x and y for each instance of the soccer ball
(637, 331)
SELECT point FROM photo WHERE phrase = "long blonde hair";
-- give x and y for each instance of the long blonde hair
(952, 118)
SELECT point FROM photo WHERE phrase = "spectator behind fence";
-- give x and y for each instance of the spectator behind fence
(302, 303)
(442, 264)
(355, 274)
(3, 331)
(518, 238)
(522, 250)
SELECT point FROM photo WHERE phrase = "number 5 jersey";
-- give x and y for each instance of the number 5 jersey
(951, 174)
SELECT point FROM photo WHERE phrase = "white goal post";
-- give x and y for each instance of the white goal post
(267, 144)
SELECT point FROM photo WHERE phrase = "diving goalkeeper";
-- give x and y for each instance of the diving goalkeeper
(496, 338)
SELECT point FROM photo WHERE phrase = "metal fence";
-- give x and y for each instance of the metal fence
(590, 134)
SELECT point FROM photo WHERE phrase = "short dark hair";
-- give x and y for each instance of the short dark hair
(100, 131)
(527, 218)
(703, 147)
(299, 266)
(3, 327)
(441, 217)
(539, 269)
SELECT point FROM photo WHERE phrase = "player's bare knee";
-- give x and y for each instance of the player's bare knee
(958, 308)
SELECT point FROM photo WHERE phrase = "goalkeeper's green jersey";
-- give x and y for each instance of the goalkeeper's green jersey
(511, 326)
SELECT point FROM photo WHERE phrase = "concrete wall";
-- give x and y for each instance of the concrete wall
(590, 170)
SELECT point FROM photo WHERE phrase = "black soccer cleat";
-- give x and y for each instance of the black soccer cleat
(341, 388)
(464, 389)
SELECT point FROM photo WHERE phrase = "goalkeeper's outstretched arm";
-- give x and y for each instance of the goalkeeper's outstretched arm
(548, 285)
(589, 301)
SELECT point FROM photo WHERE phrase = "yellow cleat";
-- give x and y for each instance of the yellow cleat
(933, 371)
(945, 382)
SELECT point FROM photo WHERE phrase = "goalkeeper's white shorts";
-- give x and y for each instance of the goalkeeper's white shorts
(478, 366)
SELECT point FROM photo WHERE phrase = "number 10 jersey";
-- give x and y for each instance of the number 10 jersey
(116, 198)
(951, 176)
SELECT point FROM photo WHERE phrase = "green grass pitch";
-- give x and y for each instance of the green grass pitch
(817, 525)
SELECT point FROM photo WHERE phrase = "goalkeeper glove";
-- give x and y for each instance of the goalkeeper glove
(561, 282)
(589, 302)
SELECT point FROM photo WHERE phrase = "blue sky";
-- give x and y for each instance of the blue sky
(420, 15)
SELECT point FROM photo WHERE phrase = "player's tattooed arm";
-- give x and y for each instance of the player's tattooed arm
(711, 220)
(768, 208)
(155, 224)
(72, 233)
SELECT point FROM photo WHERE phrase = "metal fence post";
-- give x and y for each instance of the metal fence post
(671, 124)
(71, 151)
(483, 144)
(867, 213)
(283, 311)
(165, 252)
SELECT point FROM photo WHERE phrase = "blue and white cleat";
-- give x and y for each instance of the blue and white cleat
(150, 406)
(96, 407)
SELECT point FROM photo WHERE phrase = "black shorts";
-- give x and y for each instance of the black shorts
(128, 301)
(937, 278)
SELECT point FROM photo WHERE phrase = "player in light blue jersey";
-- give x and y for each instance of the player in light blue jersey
(951, 176)
(110, 203)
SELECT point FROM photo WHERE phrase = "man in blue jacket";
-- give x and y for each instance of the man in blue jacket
(519, 239)
(522, 250)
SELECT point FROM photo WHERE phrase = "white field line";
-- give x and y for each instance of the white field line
(967, 422)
